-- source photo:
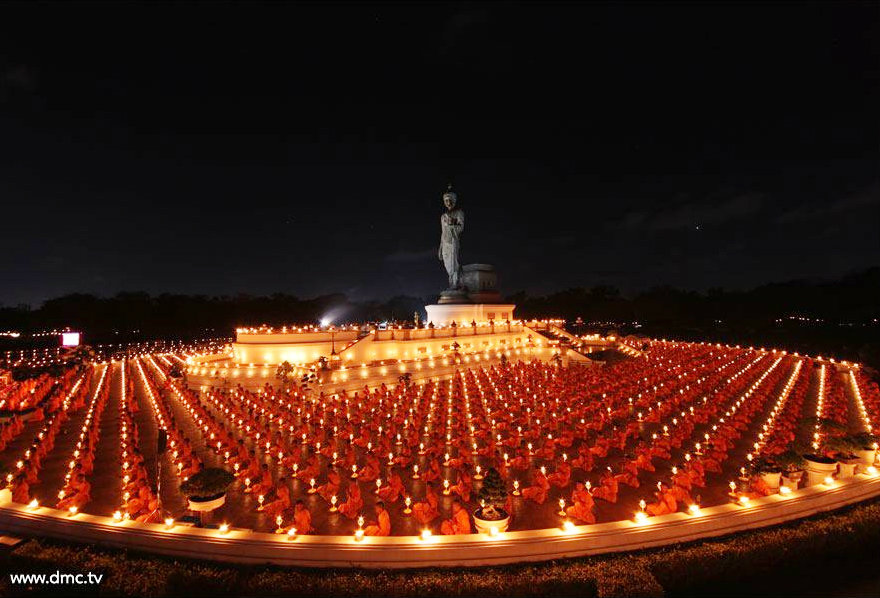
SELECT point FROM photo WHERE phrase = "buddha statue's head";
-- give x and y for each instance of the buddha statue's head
(450, 198)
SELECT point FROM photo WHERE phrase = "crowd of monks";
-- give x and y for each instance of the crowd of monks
(67, 397)
(577, 433)
(76, 492)
(28, 394)
(656, 425)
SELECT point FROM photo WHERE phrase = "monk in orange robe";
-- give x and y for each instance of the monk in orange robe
(393, 490)
(464, 486)
(607, 489)
(665, 504)
(281, 502)
(582, 507)
(460, 523)
(77, 494)
(538, 490)
(355, 502)
(21, 489)
(382, 526)
(264, 484)
(561, 476)
(426, 511)
(302, 518)
(331, 487)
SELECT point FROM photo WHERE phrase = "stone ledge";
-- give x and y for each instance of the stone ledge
(244, 546)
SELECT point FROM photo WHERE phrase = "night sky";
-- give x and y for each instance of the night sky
(221, 149)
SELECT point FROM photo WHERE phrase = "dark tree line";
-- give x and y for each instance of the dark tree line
(848, 308)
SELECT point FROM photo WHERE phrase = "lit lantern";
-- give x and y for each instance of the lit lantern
(641, 515)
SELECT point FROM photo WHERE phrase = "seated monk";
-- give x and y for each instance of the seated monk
(264, 484)
(629, 474)
(150, 513)
(666, 502)
(76, 494)
(281, 502)
(460, 523)
(464, 486)
(426, 511)
(302, 518)
(608, 487)
(584, 460)
(332, 486)
(561, 476)
(370, 471)
(433, 472)
(538, 490)
(139, 497)
(382, 526)
(582, 504)
(643, 461)
(21, 489)
(251, 469)
(393, 490)
(354, 503)
(682, 478)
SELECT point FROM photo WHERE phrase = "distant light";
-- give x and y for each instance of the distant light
(326, 321)
(70, 339)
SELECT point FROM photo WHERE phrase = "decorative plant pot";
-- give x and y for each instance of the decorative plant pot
(484, 526)
(866, 458)
(772, 479)
(847, 468)
(206, 505)
(818, 468)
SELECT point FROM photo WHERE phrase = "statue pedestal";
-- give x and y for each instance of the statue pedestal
(444, 314)
(453, 296)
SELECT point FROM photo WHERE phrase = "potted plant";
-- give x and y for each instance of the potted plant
(206, 490)
(844, 448)
(820, 464)
(768, 470)
(493, 496)
(865, 448)
(792, 464)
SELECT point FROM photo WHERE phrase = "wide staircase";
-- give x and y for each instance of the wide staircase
(569, 345)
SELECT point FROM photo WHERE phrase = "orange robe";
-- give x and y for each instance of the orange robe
(426, 511)
(302, 521)
(582, 509)
(382, 527)
(459, 524)
(353, 505)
